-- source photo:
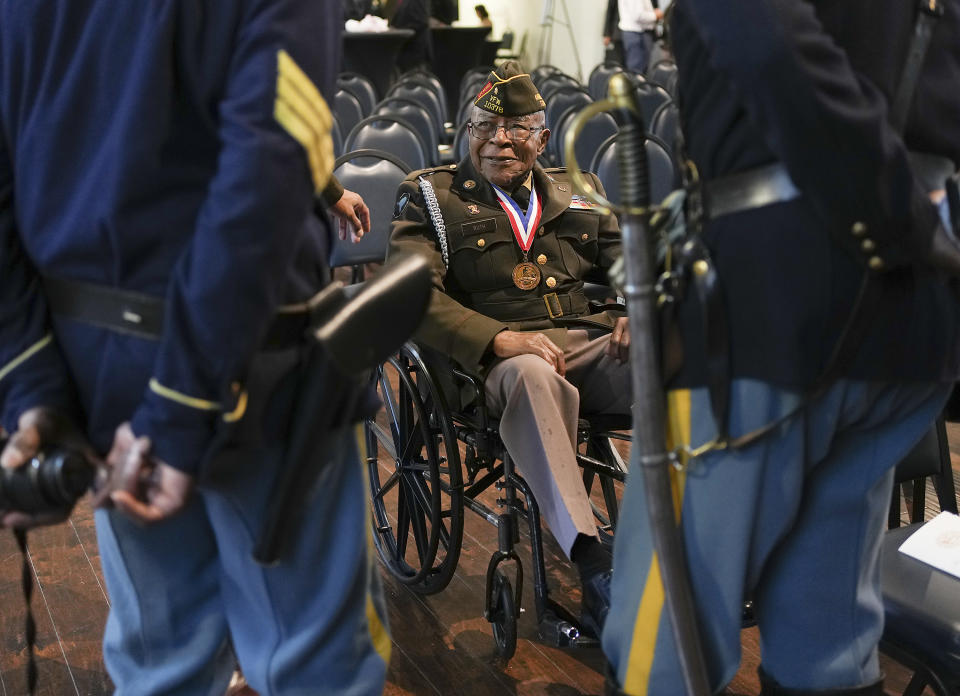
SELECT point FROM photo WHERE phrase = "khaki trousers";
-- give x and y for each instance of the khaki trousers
(539, 411)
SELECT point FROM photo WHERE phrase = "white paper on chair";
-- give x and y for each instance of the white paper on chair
(937, 543)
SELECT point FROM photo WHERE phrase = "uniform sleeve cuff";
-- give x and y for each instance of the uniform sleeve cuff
(333, 192)
(473, 337)
(179, 435)
(42, 381)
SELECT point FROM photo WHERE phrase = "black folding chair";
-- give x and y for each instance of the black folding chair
(347, 110)
(922, 604)
(424, 95)
(375, 175)
(361, 87)
(419, 117)
(663, 171)
(391, 134)
(600, 77)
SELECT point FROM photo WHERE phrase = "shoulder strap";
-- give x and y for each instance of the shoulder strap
(928, 12)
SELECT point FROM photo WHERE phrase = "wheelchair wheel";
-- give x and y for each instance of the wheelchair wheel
(415, 477)
(503, 618)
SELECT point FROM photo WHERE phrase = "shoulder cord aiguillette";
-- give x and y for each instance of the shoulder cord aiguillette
(433, 207)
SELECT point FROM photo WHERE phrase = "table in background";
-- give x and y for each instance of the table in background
(456, 50)
(374, 55)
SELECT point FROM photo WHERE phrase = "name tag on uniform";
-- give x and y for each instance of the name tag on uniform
(582, 203)
(478, 227)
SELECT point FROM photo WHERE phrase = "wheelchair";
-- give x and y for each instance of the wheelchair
(444, 457)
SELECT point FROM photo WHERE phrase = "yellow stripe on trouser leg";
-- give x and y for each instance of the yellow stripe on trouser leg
(646, 627)
(379, 635)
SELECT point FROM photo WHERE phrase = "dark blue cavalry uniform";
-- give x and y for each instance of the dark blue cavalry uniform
(803, 90)
(164, 155)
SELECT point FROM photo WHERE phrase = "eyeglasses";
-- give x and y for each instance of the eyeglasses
(485, 130)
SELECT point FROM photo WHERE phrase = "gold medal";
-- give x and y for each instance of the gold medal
(526, 276)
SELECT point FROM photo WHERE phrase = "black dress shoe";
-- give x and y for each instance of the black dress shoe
(595, 603)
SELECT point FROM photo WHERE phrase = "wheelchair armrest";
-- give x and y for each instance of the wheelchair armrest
(475, 381)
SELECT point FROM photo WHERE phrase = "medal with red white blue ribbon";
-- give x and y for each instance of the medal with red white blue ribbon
(526, 275)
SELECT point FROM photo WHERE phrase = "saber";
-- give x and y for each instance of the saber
(649, 452)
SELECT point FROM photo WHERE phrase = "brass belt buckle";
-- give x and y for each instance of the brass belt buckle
(553, 305)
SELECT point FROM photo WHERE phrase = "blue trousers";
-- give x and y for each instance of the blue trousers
(794, 521)
(183, 590)
(637, 46)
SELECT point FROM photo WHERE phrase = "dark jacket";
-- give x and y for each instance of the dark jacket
(418, 50)
(807, 84)
(475, 298)
(169, 148)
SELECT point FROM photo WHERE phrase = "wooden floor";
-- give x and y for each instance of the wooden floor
(441, 644)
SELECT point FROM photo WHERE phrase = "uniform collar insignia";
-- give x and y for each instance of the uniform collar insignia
(401, 204)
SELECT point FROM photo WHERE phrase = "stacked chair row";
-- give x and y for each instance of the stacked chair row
(408, 122)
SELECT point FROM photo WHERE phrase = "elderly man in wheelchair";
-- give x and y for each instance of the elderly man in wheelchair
(511, 246)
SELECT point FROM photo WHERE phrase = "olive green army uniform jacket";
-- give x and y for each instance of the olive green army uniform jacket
(475, 298)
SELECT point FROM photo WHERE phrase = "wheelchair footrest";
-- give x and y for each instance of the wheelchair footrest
(558, 632)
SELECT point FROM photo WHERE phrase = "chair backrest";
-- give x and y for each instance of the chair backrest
(650, 97)
(471, 90)
(662, 73)
(597, 130)
(416, 114)
(461, 142)
(930, 458)
(563, 99)
(665, 124)
(410, 89)
(430, 80)
(347, 110)
(558, 126)
(542, 72)
(337, 135)
(361, 87)
(506, 41)
(463, 114)
(391, 134)
(556, 82)
(375, 175)
(600, 78)
(477, 76)
(663, 171)
(658, 52)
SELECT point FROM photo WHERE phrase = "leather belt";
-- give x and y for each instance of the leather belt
(140, 315)
(552, 305)
(753, 188)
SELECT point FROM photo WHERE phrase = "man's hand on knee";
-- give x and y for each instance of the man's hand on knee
(508, 344)
(619, 345)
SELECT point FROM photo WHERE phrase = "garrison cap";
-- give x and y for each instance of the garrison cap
(509, 91)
